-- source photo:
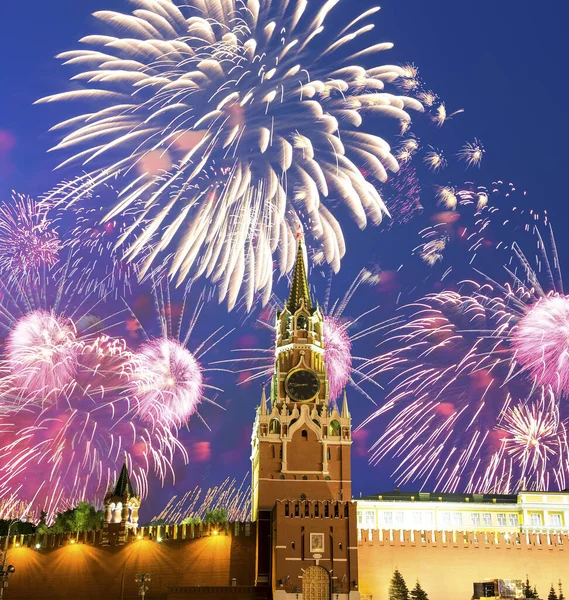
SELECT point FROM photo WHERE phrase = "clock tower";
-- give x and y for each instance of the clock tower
(300, 444)
(301, 482)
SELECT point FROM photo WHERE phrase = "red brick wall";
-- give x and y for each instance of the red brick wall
(85, 571)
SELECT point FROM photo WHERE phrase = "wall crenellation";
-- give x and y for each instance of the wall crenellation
(464, 539)
(155, 533)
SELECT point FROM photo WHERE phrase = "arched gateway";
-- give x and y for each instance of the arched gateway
(316, 584)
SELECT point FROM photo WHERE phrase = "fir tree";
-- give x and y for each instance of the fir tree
(552, 595)
(418, 593)
(561, 596)
(528, 591)
(398, 589)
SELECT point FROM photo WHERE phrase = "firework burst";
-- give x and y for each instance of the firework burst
(67, 403)
(28, 238)
(469, 365)
(216, 119)
(169, 379)
(472, 153)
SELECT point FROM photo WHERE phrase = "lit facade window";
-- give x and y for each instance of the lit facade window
(369, 519)
(446, 518)
(399, 518)
(487, 519)
(475, 519)
(513, 519)
(555, 520)
(417, 519)
(428, 518)
(388, 517)
(457, 518)
(501, 519)
(535, 520)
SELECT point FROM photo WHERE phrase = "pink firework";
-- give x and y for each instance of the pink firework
(541, 341)
(41, 352)
(168, 381)
(77, 442)
(28, 239)
(337, 355)
(535, 439)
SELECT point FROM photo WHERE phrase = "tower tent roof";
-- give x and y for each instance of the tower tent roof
(123, 486)
(299, 289)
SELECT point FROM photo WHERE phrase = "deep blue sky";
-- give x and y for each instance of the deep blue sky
(503, 61)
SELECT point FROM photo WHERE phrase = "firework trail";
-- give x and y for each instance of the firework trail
(341, 333)
(28, 239)
(233, 496)
(70, 412)
(471, 369)
(212, 114)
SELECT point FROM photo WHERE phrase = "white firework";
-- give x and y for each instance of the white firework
(237, 121)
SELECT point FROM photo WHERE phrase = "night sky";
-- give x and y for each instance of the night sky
(503, 62)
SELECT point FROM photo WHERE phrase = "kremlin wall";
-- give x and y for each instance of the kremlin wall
(307, 539)
(219, 562)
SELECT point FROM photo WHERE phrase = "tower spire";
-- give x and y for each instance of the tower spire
(345, 412)
(123, 485)
(299, 289)
(263, 403)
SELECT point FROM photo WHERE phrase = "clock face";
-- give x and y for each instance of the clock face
(302, 385)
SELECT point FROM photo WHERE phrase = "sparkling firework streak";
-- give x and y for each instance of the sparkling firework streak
(28, 238)
(471, 153)
(230, 136)
(468, 366)
(236, 499)
(435, 160)
(340, 332)
(76, 432)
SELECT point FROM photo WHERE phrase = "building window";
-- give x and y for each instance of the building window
(399, 518)
(555, 520)
(535, 520)
(369, 519)
(388, 517)
(475, 519)
(328, 454)
(360, 517)
(457, 518)
(501, 519)
(305, 434)
(428, 518)
(513, 519)
(487, 519)
(417, 520)
(446, 518)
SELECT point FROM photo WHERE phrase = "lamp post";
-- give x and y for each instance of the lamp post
(142, 579)
(7, 570)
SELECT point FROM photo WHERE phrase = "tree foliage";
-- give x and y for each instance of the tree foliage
(17, 528)
(552, 594)
(398, 589)
(217, 515)
(418, 593)
(84, 517)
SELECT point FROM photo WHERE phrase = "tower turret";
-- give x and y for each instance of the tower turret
(121, 506)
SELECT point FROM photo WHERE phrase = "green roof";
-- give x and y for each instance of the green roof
(399, 496)
(123, 486)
